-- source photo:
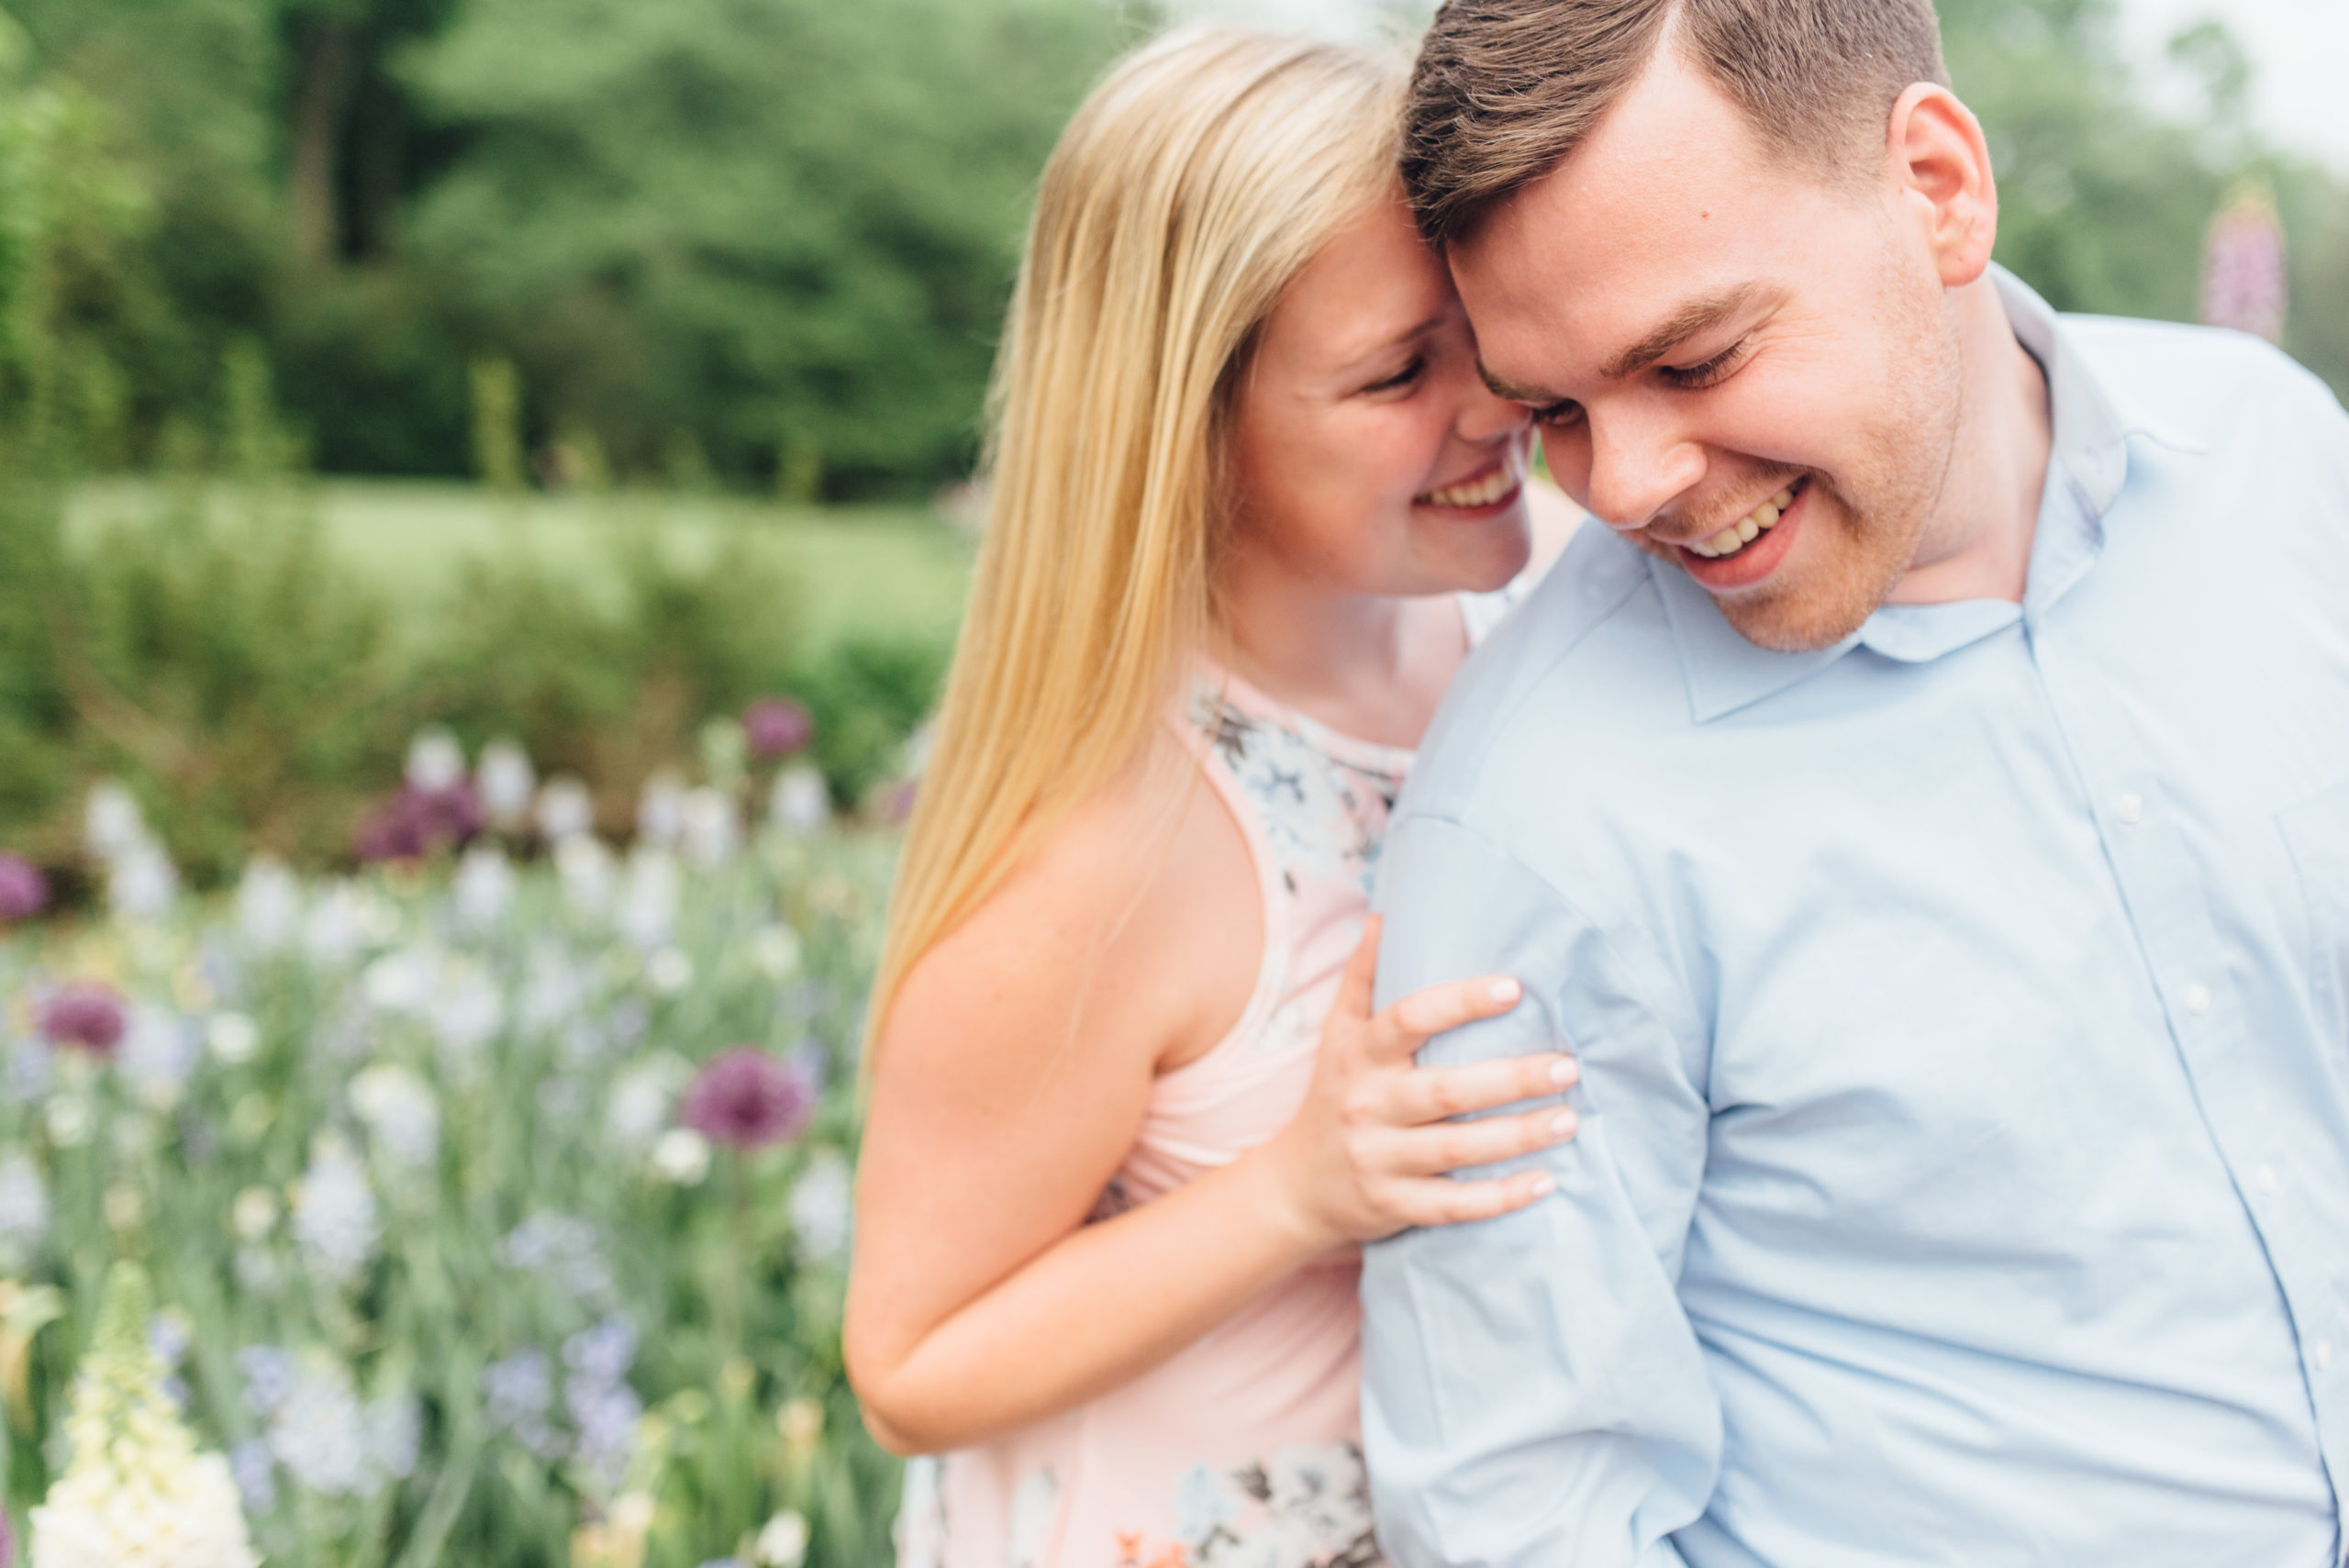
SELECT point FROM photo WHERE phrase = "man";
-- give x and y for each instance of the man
(1925, 807)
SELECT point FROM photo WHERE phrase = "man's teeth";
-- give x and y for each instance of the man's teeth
(1476, 492)
(1746, 530)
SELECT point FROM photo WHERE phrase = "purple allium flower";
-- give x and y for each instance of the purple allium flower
(2243, 271)
(23, 891)
(85, 1014)
(776, 726)
(419, 822)
(749, 1098)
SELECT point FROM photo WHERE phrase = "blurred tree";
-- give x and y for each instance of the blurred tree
(777, 226)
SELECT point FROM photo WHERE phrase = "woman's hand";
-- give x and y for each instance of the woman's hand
(1369, 1152)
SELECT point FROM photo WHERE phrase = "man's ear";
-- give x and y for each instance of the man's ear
(1938, 159)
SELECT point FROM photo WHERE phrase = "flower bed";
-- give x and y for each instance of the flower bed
(495, 1212)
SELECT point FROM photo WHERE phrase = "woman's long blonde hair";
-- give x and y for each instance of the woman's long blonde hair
(1192, 185)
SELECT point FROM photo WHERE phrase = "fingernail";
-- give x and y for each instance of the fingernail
(1542, 1186)
(1562, 1124)
(1503, 990)
(1564, 1071)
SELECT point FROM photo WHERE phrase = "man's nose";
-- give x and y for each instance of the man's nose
(1640, 460)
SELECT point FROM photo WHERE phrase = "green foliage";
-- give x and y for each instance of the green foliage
(866, 698)
(781, 225)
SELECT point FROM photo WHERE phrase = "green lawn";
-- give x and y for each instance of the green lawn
(891, 571)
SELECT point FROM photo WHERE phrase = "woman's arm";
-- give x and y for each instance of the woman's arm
(1012, 1081)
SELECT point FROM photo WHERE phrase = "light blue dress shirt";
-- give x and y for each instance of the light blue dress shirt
(1964, 1176)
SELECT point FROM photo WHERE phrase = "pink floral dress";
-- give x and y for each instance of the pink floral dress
(1244, 1450)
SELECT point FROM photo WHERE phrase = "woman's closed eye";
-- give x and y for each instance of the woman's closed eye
(1404, 377)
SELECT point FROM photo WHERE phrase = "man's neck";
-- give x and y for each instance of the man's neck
(1980, 541)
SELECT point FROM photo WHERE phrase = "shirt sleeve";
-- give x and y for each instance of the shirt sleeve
(1533, 1393)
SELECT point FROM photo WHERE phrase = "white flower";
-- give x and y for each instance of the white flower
(159, 1051)
(467, 1014)
(669, 971)
(402, 981)
(585, 868)
(232, 1038)
(776, 950)
(395, 1435)
(112, 824)
(649, 907)
(435, 761)
(507, 782)
(484, 887)
(269, 904)
(24, 1209)
(642, 1098)
(783, 1542)
(660, 809)
(710, 828)
(682, 1157)
(137, 1493)
(254, 1213)
(821, 1208)
(565, 809)
(142, 882)
(334, 1220)
(800, 802)
(338, 928)
(399, 1108)
(68, 1118)
(319, 1433)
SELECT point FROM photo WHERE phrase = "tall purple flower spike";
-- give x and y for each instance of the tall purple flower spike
(85, 1014)
(2244, 278)
(749, 1098)
(24, 893)
(776, 726)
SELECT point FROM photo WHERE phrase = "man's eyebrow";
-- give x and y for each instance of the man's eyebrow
(1696, 316)
(1510, 390)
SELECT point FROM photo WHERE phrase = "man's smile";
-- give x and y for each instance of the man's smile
(1750, 549)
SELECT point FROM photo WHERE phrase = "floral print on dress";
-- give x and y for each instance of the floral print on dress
(1323, 812)
(1305, 1506)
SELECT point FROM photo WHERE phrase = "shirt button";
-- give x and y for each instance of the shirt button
(2198, 999)
(2324, 1355)
(2268, 1181)
(2130, 807)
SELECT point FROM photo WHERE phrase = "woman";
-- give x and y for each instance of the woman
(1245, 477)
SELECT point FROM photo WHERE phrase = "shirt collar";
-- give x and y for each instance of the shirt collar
(2087, 465)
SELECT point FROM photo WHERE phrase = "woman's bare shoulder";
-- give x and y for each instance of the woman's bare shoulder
(1130, 927)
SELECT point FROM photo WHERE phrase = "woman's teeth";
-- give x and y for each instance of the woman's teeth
(1482, 491)
(1746, 530)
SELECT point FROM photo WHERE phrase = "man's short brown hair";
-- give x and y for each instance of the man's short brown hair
(1505, 89)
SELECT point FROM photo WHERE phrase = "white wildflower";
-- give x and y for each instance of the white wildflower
(319, 1433)
(402, 981)
(334, 1216)
(159, 1050)
(142, 882)
(112, 824)
(660, 809)
(232, 1038)
(710, 829)
(137, 1493)
(24, 1210)
(395, 1435)
(565, 809)
(484, 887)
(669, 971)
(254, 1214)
(800, 801)
(643, 1100)
(777, 952)
(435, 761)
(682, 1157)
(467, 1013)
(399, 1108)
(69, 1121)
(823, 1208)
(584, 867)
(648, 907)
(783, 1542)
(269, 904)
(507, 782)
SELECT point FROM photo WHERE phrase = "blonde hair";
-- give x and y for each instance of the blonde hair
(1195, 181)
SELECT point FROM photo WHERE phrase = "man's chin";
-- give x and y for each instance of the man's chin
(1795, 622)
